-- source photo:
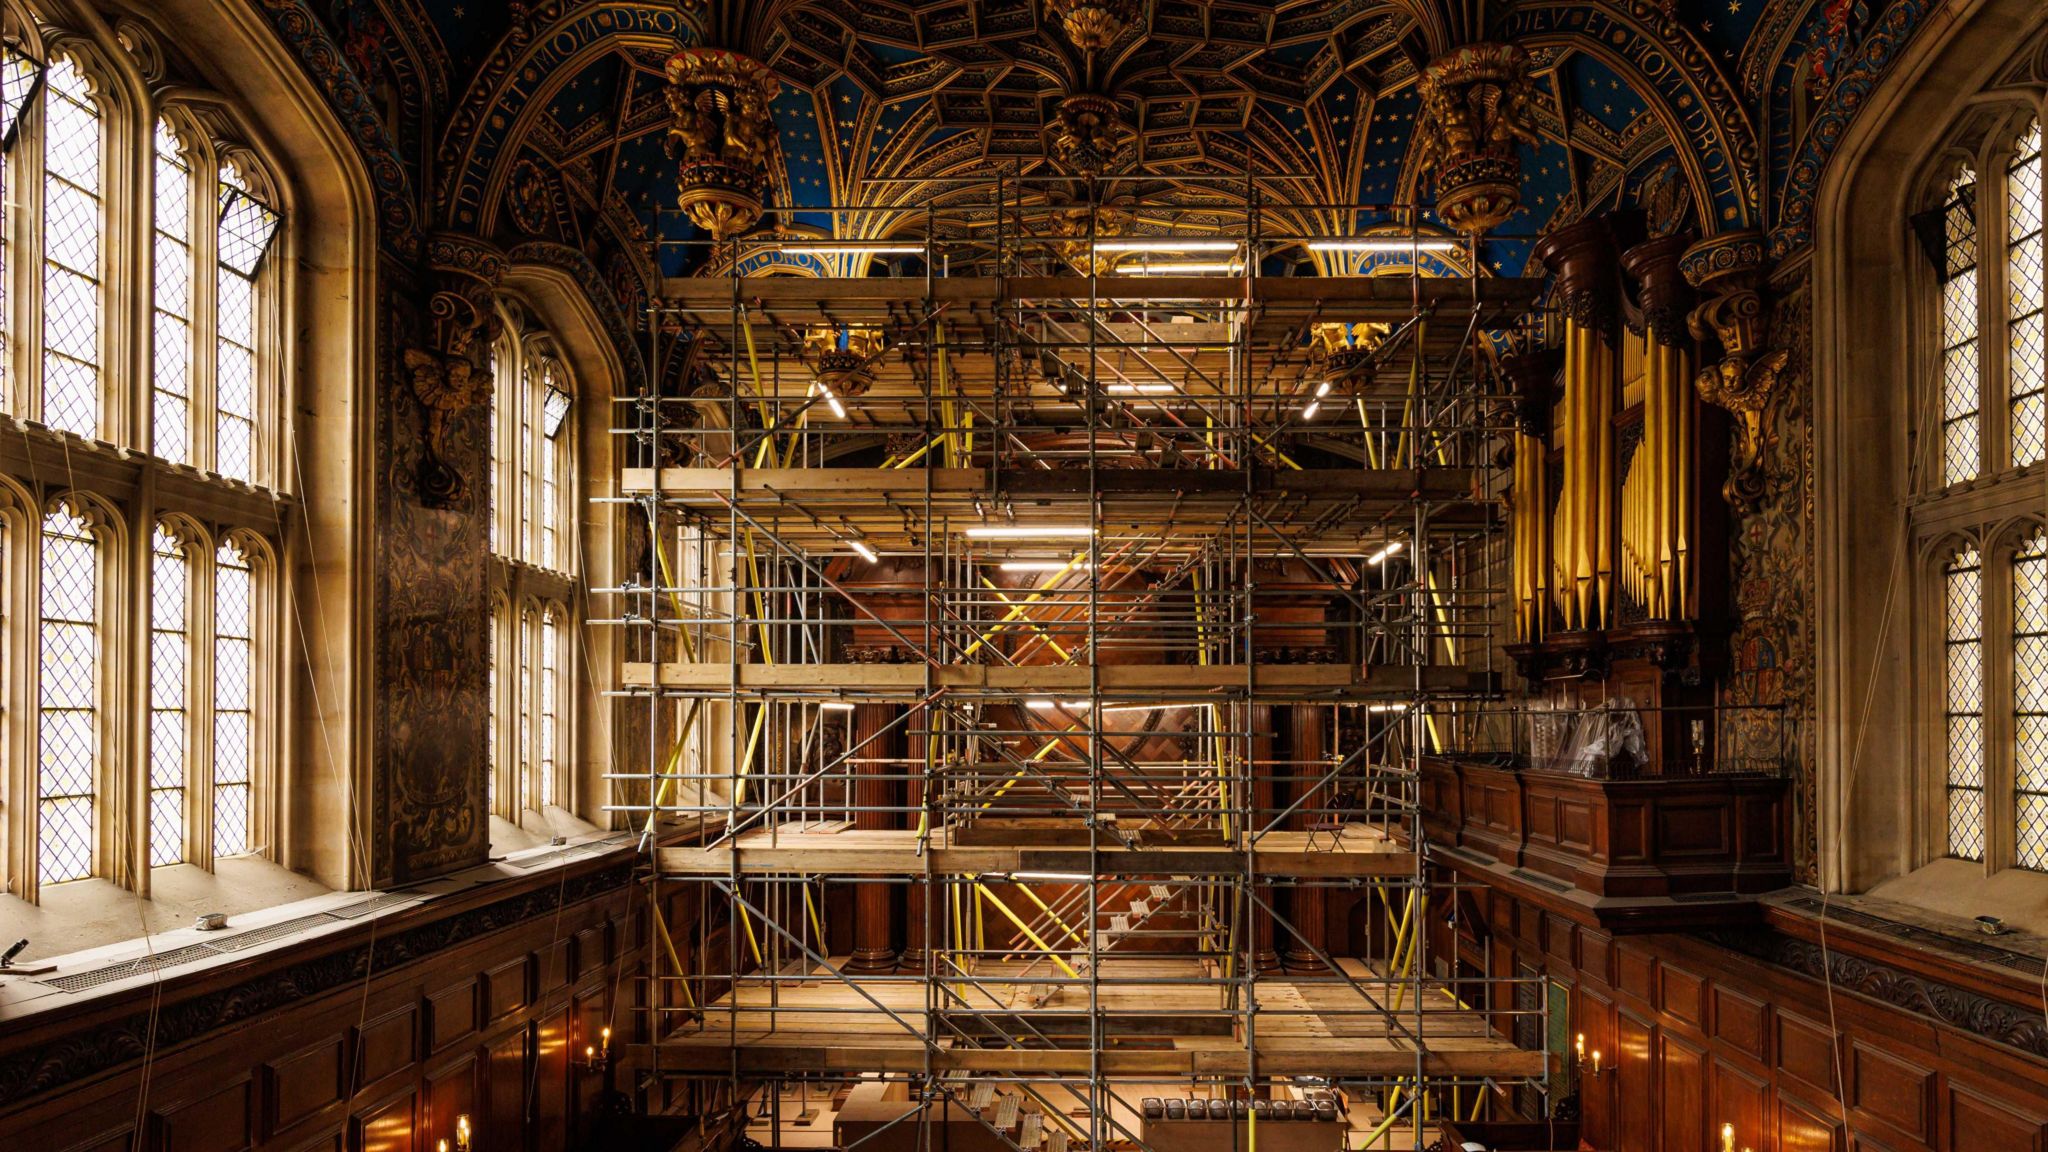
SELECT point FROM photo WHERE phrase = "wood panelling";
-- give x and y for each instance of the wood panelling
(1739, 1021)
(1737, 1098)
(387, 1045)
(1681, 1092)
(1806, 1051)
(384, 1127)
(383, 1064)
(1634, 1040)
(1637, 974)
(1699, 1035)
(1683, 994)
(505, 988)
(1891, 1090)
(450, 1092)
(1976, 1122)
(220, 1121)
(451, 1015)
(505, 1123)
(305, 1082)
(1805, 1128)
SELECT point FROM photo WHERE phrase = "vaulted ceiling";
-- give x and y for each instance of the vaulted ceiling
(543, 122)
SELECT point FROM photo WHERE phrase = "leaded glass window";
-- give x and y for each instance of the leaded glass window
(2028, 361)
(2030, 701)
(550, 679)
(169, 646)
(1963, 651)
(233, 687)
(172, 319)
(550, 473)
(67, 682)
(71, 252)
(528, 751)
(494, 713)
(245, 230)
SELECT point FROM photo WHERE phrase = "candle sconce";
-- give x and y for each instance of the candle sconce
(1589, 1066)
(462, 1136)
(1728, 1139)
(598, 1057)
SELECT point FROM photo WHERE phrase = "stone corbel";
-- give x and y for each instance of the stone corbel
(1728, 270)
(449, 369)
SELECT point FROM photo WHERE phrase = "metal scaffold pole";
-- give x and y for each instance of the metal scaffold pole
(1039, 637)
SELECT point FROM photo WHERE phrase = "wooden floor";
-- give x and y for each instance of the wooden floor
(834, 849)
(1155, 1028)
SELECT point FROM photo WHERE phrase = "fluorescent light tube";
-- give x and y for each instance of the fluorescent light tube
(1185, 268)
(853, 250)
(1309, 413)
(1043, 565)
(1030, 532)
(1380, 557)
(1166, 244)
(1386, 244)
(866, 553)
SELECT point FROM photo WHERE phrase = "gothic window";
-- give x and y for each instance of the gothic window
(2030, 700)
(245, 231)
(67, 729)
(1963, 662)
(172, 333)
(533, 470)
(550, 692)
(1976, 497)
(169, 668)
(2027, 359)
(72, 230)
(147, 234)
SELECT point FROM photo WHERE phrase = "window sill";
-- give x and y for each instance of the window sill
(288, 926)
(1945, 894)
(89, 914)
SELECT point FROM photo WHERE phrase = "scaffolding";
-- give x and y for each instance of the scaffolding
(1072, 621)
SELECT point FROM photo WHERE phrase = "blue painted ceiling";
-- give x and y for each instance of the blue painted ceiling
(547, 116)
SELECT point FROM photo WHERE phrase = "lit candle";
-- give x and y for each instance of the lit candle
(441, 1145)
(1596, 1061)
(1727, 1138)
(461, 1133)
(605, 1038)
(1580, 1045)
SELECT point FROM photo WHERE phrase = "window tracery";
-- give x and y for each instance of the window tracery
(175, 267)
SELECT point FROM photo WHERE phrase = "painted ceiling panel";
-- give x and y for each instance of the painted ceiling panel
(551, 120)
